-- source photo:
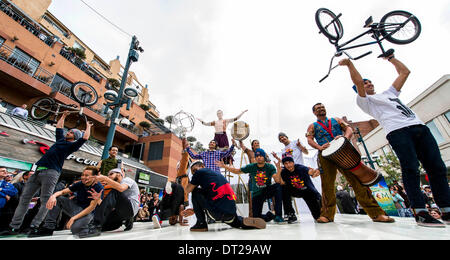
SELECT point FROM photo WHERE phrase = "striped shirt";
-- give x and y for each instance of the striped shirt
(209, 158)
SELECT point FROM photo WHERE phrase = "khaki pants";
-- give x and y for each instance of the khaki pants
(363, 193)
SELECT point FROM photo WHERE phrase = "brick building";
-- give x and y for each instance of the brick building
(41, 57)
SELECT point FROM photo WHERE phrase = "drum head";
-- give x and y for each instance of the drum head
(240, 130)
(334, 146)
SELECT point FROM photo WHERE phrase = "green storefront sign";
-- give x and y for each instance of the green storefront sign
(143, 178)
(15, 164)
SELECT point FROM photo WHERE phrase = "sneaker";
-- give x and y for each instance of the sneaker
(156, 222)
(258, 223)
(93, 231)
(279, 220)
(269, 216)
(424, 219)
(199, 227)
(446, 218)
(40, 232)
(292, 218)
(129, 224)
(10, 232)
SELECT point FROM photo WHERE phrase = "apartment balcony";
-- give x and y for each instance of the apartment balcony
(80, 63)
(28, 23)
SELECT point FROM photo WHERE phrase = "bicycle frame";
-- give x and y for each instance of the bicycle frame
(374, 31)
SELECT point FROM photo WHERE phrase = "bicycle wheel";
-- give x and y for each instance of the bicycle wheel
(42, 108)
(329, 24)
(84, 93)
(396, 29)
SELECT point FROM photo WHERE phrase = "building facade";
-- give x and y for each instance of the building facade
(41, 57)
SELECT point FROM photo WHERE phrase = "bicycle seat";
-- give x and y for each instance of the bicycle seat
(368, 22)
(386, 53)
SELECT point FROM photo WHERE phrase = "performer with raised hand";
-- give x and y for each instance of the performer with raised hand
(411, 140)
(325, 130)
(296, 182)
(220, 126)
(175, 200)
(261, 187)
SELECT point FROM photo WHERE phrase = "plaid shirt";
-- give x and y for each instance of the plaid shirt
(209, 158)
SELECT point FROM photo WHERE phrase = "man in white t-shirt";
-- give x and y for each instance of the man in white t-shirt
(293, 149)
(411, 140)
(121, 204)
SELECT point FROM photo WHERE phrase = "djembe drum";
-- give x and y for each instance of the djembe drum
(343, 154)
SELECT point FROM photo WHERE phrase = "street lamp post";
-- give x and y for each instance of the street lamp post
(118, 99)
(361, 140)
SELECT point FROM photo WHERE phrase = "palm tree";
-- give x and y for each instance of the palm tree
(169, 119)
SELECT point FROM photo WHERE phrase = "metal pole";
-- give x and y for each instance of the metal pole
(361, 140)
(118, 104)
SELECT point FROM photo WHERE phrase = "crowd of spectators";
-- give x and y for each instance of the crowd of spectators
(348, 204)
(149, 206)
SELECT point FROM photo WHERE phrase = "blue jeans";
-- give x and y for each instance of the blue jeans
(413, 144)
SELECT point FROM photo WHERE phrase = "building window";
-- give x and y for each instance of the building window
(100, 64)
(59, 29)
(447, 115)
(76, 45)
(24, 62)
(1, 41)
(62, 85)
(435, 131)
(155, 151)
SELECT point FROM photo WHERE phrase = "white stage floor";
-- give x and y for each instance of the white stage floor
(345, 227)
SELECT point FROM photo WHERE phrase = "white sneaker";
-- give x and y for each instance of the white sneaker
(168, 188)
(156, 223)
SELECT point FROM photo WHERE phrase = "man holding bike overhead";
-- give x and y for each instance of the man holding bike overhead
(48, 170)
(411, 140)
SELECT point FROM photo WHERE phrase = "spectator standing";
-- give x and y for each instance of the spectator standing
(21, 112)
(7, 190)
(153, 204)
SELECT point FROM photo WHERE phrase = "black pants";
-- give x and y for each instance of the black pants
(113, 210)
(170, 203)
(271, 191)
(411, 145)
(312, 199)
(203, 207)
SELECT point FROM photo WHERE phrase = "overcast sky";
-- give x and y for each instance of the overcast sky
(262, 55)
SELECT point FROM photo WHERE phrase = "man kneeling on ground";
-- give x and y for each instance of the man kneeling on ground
(119, 206)
(215, 198)
(80, 209)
